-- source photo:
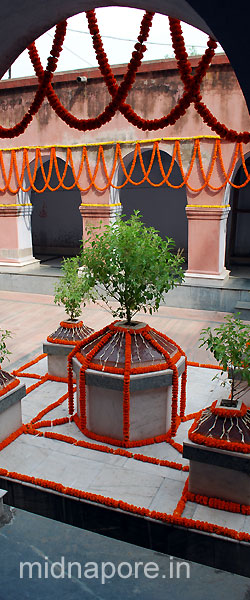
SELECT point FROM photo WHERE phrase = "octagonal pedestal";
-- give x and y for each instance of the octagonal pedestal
(57, 359)
(127, 385)
(219, 453)
(10, 411)
(218, 473)
(150, 403)
(60, 343)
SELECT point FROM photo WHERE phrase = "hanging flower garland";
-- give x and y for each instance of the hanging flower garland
(44, 81)
(121, 92)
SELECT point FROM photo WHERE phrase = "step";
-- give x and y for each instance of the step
(244, 309)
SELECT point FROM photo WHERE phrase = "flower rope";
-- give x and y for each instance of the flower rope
(191, 93)
(18, 169)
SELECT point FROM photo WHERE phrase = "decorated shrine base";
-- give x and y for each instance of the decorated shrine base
(138, 494)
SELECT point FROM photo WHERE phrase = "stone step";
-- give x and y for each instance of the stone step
(244, 309)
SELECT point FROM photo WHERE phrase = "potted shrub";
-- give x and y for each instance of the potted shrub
(11, 393)
(72, 292)
(230, 345)
(125, 371)
(224, 427)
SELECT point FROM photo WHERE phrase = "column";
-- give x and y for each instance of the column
(207, 241)
(15, 235)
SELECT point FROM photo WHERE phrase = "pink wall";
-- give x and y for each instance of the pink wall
(156, 90)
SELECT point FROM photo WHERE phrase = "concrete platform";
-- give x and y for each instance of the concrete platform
(106, 492)
(196, 293)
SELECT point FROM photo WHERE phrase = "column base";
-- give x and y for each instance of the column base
(202, 278)
(19, 263)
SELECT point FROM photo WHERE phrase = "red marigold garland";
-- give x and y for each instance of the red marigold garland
(10, 386)
(44, 82)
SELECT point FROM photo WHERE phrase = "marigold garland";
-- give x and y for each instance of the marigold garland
(29, 364)
(119, 93)
(212, 442)
(44, 82)
(218, 503)
(10, 386)
(118, 162)
(125, 506)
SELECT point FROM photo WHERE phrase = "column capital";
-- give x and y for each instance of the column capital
(15, 210)
(207, 212)
(99, 211)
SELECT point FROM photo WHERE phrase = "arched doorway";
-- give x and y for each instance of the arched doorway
(161, 207)
(238, 230)
(56, 220)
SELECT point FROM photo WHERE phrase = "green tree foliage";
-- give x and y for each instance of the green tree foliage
(4, 352)
(132, 264)
(73, 289)
(230, 345)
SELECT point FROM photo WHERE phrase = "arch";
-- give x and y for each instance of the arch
(238, 228)
(161, 207)
(56, 222)
(19, 27)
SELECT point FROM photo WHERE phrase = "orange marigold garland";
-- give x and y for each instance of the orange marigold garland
(10, 386)
(126, 386)
(215, 442)
(218, 503)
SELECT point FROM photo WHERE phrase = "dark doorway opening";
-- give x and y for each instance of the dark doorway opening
(56, 220)
(238, 229)
(161, 207)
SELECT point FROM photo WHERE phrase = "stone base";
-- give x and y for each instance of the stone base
(201, 278)
(218, 473)
(150, 402)
(57, 358)
(10, 411)
(19, 263)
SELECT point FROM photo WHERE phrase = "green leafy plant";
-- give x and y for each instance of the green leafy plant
(73, 289)
(230, 345)
(4, 352)
(132, 264)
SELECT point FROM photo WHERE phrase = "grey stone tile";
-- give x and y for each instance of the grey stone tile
(246, 525)
(167, 472)
(167, 496)
(189, 510)
(124, 484)
(219, 517)
(40, 368)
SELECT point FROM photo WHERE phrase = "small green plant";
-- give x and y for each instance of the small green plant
(230, 345)
(73, 289)
(131, 264)
(4, 352)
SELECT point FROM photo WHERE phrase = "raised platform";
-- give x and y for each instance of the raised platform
(206, 294)
(136, 495)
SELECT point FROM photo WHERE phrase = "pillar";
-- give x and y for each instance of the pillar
(15, 235)
(207, 241)
(98, 210)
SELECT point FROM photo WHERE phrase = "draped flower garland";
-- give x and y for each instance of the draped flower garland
(191, 93)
